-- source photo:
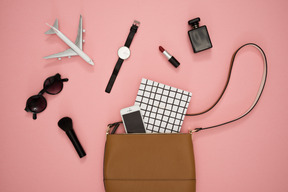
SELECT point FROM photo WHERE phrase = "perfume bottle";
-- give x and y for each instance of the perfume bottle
(199, 36)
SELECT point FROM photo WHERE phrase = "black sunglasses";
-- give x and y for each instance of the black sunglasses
(37, 103)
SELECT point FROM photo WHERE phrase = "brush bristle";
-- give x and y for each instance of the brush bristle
(65, 124)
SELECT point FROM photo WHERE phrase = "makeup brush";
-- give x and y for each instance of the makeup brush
(66, 125)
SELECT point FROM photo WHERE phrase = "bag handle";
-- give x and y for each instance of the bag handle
(260, 90)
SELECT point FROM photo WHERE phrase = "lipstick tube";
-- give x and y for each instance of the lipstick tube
(170, 58)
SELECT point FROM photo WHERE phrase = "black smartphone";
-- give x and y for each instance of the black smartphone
(133, 120)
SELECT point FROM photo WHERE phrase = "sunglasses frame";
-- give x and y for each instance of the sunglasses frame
(54, 79)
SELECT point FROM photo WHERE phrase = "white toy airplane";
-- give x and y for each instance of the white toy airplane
(75, 49)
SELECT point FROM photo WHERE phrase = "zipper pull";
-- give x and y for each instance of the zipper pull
(115, 125)
(194, 130)
(108, 130)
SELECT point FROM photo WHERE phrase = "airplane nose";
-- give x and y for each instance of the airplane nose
(91, 62)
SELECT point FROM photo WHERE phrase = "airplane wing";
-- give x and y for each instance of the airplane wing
(79, 39)
(66, 53)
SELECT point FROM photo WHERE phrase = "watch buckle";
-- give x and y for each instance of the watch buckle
(137, 23)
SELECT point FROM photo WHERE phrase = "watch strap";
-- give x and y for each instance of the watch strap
(114, 75)
(118, 65)
(133, 30)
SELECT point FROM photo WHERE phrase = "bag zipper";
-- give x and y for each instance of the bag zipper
(190, 131)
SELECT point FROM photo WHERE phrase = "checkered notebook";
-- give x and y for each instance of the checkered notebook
(163, 107)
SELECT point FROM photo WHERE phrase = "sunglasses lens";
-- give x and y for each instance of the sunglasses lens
(36, 103)
(53, 85)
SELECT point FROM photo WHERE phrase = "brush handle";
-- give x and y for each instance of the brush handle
(73, 138)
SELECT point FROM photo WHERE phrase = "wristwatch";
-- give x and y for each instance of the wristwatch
(123, 53)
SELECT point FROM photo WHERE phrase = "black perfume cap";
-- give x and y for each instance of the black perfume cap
(194, 22)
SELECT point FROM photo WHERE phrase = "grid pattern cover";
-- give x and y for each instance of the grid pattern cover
(163, 107)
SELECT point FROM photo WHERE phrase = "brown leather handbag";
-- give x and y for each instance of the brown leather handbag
(149, 162)
(158, 162)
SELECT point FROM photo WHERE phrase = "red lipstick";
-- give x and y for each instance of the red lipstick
(170, 58)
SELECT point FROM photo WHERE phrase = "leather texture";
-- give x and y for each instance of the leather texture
(149, 162)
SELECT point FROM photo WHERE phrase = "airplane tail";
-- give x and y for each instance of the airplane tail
(51, 31)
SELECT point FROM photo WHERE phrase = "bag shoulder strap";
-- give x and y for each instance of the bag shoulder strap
(259, 93)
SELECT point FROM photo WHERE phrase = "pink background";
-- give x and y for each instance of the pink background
(248, 155)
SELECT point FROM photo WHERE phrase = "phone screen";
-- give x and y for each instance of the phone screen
(133, 122)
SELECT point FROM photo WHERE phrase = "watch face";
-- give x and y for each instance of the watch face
(124, 52)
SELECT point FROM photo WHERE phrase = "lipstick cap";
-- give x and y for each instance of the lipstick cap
(174, 62)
